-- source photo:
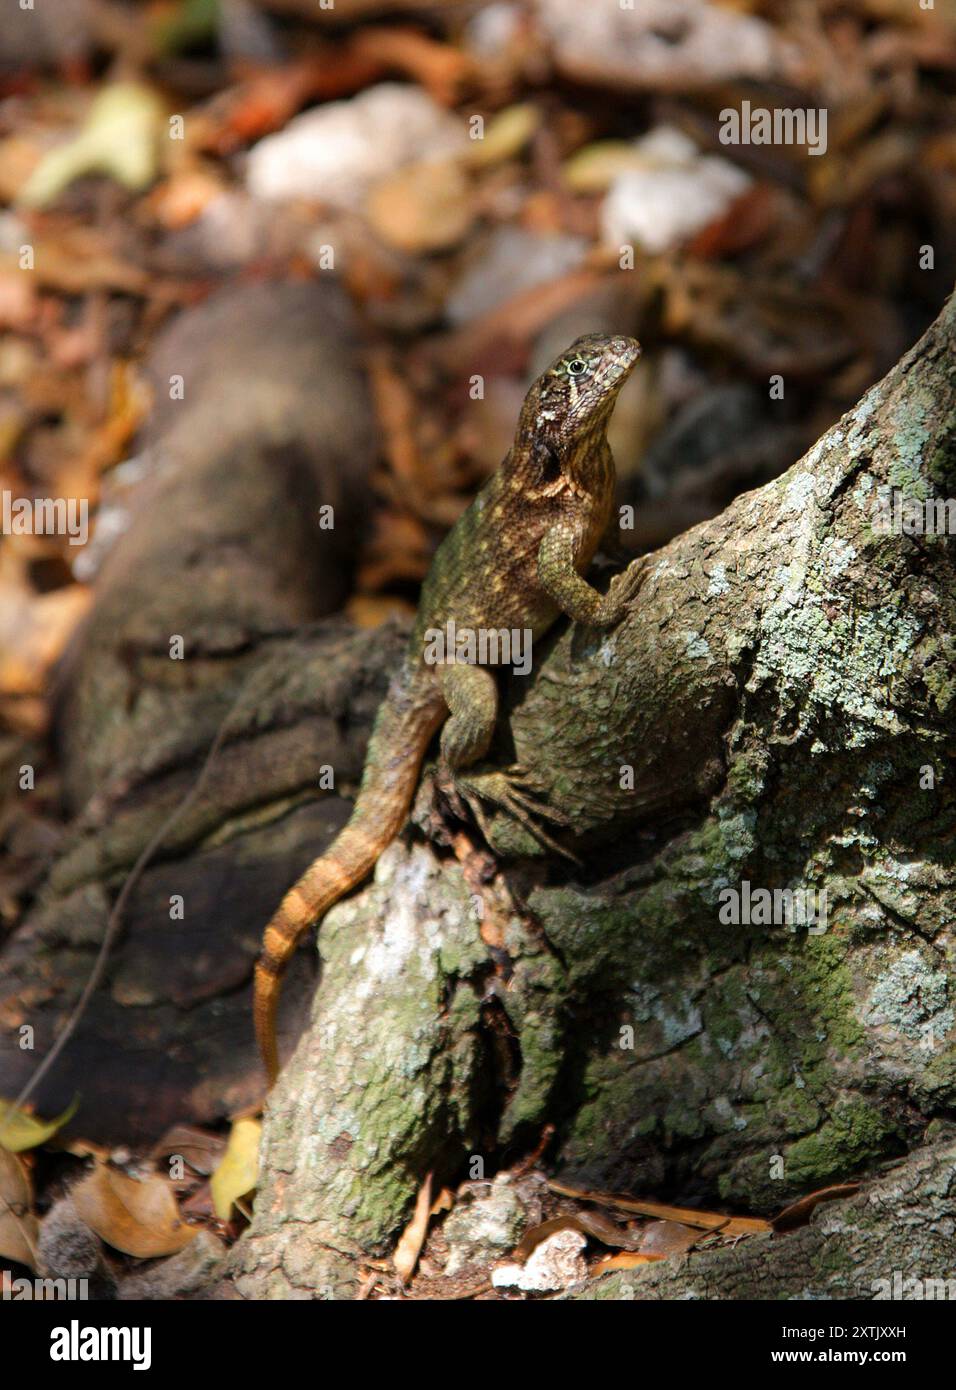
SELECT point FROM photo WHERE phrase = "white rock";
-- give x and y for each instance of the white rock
(336, 152)
(679, 192)
(491, 29)
(660, 43)
(512, 260)
(554, 1264)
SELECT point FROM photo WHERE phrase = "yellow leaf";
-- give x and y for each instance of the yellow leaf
(19, 1131)
(506, 135)
(595, 167)
(239, 1170)
(120, 138)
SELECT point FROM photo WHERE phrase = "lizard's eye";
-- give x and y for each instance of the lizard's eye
(576, 367)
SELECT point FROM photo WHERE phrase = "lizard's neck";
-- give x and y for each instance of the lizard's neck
(539, 461)
(586, 460)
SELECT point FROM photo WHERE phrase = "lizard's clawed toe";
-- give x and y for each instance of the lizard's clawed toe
(631, 580)
(510, 791)
(451, 792)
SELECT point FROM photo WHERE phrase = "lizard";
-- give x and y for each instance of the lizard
(514, 560)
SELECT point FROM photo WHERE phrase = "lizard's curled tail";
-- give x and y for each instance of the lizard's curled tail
(409, 715)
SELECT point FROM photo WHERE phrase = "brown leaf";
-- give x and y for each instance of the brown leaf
(372, 610)
(267, 100)
(79, 259)
(667, 1238)
(439, 67)
(537, 1234)
(199, 1206)
(798, 1213)
(445, 1201)
(596, 1224)
(518, 320)
(198, 1147)
(139, 1217)
(688, 1216)
(18, 1225)
(629, 1259)
(422, 208)
(34, 629)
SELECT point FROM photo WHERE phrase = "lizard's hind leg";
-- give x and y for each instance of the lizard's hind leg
(471, 694)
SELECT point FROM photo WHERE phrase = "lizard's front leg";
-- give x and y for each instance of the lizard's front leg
(575, 596)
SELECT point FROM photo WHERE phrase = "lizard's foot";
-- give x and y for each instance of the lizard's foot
(626, 586)
(510, 792)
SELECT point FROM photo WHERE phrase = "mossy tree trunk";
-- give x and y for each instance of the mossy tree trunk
(778, 711)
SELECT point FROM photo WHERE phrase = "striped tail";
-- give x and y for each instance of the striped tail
(409, 715)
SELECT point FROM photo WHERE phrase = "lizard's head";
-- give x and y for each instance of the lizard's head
(580, 387)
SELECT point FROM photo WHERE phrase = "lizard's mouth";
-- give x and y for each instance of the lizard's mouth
(626, 352)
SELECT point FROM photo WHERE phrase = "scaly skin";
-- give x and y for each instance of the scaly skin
(514, 561)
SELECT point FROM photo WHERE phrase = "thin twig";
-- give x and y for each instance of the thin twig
(115, 918)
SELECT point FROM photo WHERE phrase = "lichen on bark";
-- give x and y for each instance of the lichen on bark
(775, 699)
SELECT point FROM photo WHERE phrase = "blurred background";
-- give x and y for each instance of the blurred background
(485, 182)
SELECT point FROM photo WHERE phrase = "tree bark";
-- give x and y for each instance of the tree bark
(770, 712)
(783, 692)
(893, 1241)
(262, 417)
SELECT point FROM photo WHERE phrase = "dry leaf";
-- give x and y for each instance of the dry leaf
(198, 1147)
(506, 135)
(445, 1201)
(799, 1212)
(595, 167)
(688, 1216)
(440, 68)
(199, 1207)
(424, 207)
(596, 1224)
(34, 630)
(19, 1131)
(79, 259)
(18, 1226)
(372, 610)
(139, 1217)
(517, 321)
(413, 1237)
(120, 138)
(667, 1238)
(183, 197)
(628, 1259)
(238, 1172)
